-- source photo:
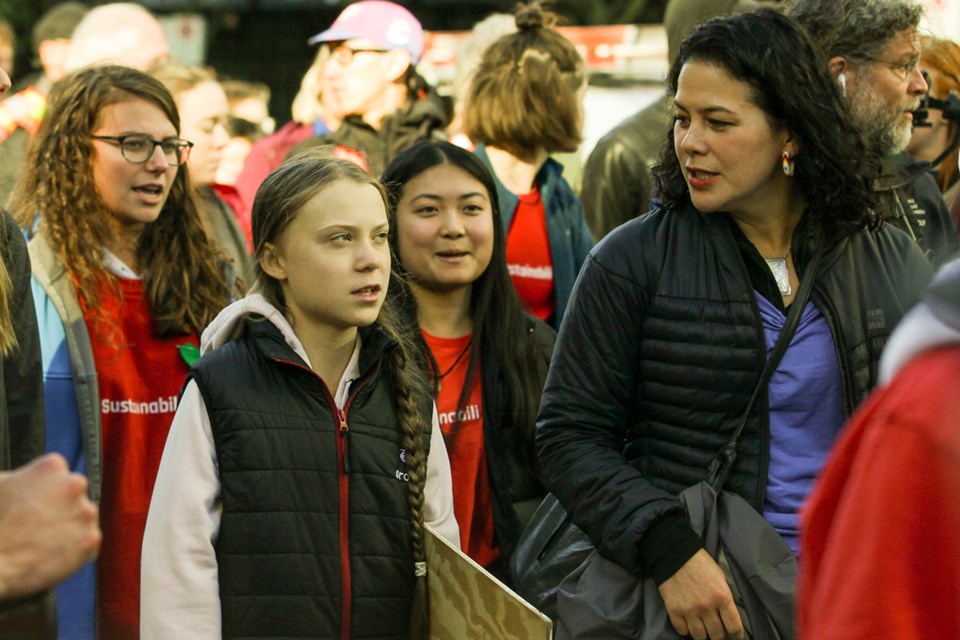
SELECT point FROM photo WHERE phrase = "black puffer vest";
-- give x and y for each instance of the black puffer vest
(314, 539)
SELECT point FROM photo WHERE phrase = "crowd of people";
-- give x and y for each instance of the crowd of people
(244, 369)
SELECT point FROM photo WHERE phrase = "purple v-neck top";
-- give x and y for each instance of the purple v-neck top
(806, 414)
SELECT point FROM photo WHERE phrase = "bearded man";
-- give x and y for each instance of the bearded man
(873, 50)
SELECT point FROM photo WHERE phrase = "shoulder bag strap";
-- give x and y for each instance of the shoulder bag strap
(720, 466)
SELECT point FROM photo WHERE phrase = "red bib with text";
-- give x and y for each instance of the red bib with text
(528, 256)
(139, 378)
(463, 435)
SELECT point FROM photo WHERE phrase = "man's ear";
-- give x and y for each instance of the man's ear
(272, 263)
(840, 68)
(838, 65)
(398, 61)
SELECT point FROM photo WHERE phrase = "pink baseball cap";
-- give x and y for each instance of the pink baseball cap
(386, 24)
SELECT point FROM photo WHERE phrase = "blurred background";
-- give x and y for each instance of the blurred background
(622, 41)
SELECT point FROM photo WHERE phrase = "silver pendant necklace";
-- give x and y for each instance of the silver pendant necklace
(778, 267)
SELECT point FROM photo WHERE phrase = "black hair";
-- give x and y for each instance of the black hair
(791, 84)
(501, 327)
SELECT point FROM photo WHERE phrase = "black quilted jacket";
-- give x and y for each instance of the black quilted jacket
(661, 348)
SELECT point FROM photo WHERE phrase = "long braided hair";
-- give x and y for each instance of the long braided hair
(411, 387)
(8, 335)
(279, 199)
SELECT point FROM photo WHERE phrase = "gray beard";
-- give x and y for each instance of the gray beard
(892, 139)
(882, 130)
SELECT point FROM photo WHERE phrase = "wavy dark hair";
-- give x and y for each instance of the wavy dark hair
(279, 200)
(500, 324)
(791, 84)
(184, 286)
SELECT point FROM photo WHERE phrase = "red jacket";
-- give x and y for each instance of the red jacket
(881, 532)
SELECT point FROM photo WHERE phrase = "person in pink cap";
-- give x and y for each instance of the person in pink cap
(371, 73)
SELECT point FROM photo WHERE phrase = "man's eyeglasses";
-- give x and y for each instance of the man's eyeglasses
(343, 54)
(138, 148)
(902, 69)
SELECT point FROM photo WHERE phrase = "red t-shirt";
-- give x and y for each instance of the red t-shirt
(528, 256)
(139, 378)
(472, 505)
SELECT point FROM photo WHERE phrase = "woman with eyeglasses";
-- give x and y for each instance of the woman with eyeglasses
(124, 279)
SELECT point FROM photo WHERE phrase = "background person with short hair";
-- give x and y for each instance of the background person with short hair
(525, 102)
(372, 77)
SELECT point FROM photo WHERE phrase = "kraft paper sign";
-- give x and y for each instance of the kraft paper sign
(467, 602)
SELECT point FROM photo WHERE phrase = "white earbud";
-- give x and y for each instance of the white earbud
(843, 84)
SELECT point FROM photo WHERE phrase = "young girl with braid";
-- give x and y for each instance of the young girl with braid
(302, 462)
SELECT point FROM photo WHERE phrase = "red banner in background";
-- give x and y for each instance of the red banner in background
(629, 52)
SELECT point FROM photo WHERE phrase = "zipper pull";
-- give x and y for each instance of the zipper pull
(344, 433)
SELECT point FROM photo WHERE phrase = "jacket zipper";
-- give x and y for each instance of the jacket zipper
(343, 445)
(346, 599)
(761, 486)
(343, 478)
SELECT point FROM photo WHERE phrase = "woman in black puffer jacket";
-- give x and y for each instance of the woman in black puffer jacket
(674, 313)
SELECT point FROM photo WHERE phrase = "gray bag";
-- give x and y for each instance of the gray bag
(601, 599)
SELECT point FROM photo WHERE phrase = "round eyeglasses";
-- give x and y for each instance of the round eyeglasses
(138, 148)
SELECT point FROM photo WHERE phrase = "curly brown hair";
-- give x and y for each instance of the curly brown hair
(184, 285)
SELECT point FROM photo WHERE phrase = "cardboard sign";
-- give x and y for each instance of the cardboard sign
(467, 602)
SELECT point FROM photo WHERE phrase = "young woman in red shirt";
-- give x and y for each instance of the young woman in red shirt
(488, 356)
(124, 280)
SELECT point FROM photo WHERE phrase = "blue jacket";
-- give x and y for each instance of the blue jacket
(569, 236)
(72, 407)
